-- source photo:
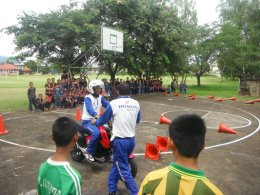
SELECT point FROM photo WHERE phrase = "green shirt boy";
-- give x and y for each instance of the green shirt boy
(58, 178)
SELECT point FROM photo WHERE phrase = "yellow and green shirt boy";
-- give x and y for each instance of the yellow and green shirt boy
(177, 180)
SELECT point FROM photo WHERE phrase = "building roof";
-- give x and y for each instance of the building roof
(8, 67)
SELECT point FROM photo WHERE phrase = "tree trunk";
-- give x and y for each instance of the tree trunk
(177, 81)
(222, 76)
(140, 75)
(185, 78)
(198, 80)
(182, 78)
(111, 72)
(112, 76)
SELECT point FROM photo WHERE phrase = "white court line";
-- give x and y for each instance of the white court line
(63, 113)
(165, 104)
(6, 112)
(18, 117)
(206, 114)
(142, 154)
(29, 147)
(36, 115)
(227, 143)
(150, 122)
(238, 127)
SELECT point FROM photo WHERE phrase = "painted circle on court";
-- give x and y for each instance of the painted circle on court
(245, 122)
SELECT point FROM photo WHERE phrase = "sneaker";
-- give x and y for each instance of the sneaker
(113, 193)
(108, 159)
(111, 159)
(89, 157)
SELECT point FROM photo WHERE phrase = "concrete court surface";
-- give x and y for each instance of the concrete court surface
(231, 161)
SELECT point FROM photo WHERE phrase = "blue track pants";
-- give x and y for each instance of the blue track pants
(95, 136)
(122, 148)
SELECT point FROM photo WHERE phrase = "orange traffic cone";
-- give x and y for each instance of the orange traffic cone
(163, 143)
(164, 120)
(257, 100)
(211, 97)
(232, 98)
(192, 97)
(225, 129)
(78, 114)
(164, 93)
(250, 102)
(152, 151)
(219, 100)
(2, 126)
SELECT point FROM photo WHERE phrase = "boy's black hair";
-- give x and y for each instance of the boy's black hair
(188, 133)
(63, 130)
(124, 89)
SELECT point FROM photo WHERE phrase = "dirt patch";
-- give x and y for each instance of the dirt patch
(231, 161)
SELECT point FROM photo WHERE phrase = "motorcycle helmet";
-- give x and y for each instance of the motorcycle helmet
(95, 83)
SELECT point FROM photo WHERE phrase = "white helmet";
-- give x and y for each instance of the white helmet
(95, 83)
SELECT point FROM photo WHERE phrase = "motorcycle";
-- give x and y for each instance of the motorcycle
(104, 148)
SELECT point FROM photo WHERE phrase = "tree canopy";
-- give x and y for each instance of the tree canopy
(160, 37)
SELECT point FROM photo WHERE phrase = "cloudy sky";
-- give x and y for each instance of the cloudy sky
(206, 10)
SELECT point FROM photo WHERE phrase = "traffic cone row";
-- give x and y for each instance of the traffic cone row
(220, 99)
(231, 98)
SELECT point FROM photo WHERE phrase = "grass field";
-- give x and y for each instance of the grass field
(13, 89)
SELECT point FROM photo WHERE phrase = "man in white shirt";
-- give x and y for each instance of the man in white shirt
(125, 112)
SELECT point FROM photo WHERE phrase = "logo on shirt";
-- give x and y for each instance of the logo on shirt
(131, 107)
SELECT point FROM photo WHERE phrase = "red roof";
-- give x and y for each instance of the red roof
(8, 67)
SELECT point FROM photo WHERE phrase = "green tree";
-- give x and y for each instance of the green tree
(32, 65)
(181, 38)
(245, 15)
(204, 48)
(58, 37)
(157, 35)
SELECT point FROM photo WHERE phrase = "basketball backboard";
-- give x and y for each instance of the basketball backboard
(111, 39)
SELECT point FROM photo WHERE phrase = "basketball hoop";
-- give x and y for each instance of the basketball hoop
(111, 39)
(117, 48)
